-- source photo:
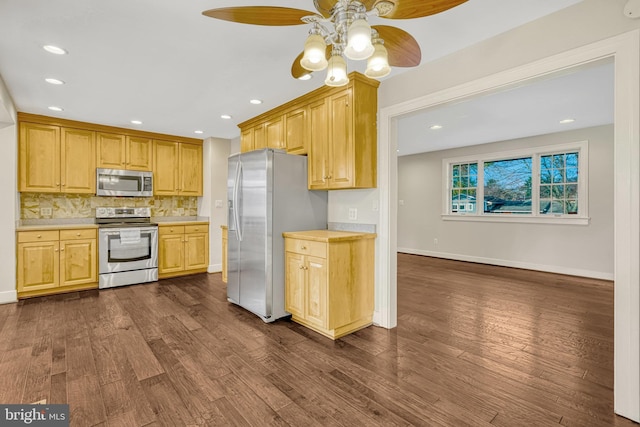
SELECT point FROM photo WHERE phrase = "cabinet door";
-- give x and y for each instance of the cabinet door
(38, 266)
(78, 161)
(78, 262)
(170, 253)
(316, 298)
(165, 175)
(296, 130)
(39, 158)
(341, 145)
(319, 130)
(259, 138)
(111, 150)
(246, 140)
(274, 132)
(294, 284)
(196, 251)
(190, 170)
(139, 153)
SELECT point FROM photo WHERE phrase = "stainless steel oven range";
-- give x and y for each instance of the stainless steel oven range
(128, 246)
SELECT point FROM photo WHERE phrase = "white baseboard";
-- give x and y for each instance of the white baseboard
(7, 297)
(377, 318)
(515, 264)
(214, 268)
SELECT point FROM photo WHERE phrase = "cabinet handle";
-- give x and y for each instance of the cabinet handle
(62, 249)
(57, 184)
(304, 248)
(77, 234)
(39, 236)
(306, 268)
(55, 250)
(301, 267)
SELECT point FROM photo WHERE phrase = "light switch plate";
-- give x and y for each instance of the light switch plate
(353, 213)
(218, 203)
(45, 212)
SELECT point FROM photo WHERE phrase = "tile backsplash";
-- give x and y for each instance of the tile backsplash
(46, 205)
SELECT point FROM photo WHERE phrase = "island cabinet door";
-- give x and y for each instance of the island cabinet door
(295, 284)
(316, 298)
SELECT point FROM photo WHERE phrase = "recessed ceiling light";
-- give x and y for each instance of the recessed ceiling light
(55, 49)
(565, 121)
(198, 132)
(435, 127)
(54, 108)
(305, 77)
(256, 101)
(54, 81)
(225, 116)
(136, 122)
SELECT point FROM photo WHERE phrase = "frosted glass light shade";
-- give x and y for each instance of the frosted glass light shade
(314, 58)
(359, 40)
(378, 63)
(336, 71)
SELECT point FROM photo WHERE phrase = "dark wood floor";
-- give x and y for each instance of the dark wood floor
(475, 346)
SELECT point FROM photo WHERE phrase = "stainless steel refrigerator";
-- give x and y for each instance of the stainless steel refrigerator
(267, 194)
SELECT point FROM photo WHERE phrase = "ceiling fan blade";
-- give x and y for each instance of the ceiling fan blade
(402, 48)
(259, 15)
(406, 9)
(325, 6)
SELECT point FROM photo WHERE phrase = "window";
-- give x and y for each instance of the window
(544, 184)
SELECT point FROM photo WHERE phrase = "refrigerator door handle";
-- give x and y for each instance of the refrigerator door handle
(236, 201)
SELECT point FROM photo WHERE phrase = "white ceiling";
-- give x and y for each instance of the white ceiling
(164, 63)
(534, 108)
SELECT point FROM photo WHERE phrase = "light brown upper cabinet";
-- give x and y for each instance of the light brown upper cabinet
(296, 128)
(335, 127)
(124, 152)
(55, 159)
(178, 169)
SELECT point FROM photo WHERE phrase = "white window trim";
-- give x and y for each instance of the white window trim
(582, 147)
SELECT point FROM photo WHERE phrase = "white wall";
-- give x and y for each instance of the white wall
(213, 203)
(568, 249)
(8, 195)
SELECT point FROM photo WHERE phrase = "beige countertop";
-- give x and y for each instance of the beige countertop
(55, 224)
(328, 235)
(180, 220)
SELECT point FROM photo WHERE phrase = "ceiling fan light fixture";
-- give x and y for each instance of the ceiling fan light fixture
(336, 71)
(314, 58)
(359, 40)
(378, 63)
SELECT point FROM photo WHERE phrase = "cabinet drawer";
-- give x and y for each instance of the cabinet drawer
(77, 234)
(171, 229)
(202, 228)
(37, 236)
(306, 247)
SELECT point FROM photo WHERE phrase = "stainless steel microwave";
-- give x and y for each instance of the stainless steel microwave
(118, 182)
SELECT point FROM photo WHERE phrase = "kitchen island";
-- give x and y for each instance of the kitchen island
(329, 280)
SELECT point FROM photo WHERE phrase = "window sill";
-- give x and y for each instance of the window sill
(526, 219)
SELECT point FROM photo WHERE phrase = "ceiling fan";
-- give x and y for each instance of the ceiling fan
(340, 28)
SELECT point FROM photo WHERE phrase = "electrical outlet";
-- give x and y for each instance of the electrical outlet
(45, 212)
(353, 213)
(180, 211)
(401, 202)
(435, 242)
(218, 203)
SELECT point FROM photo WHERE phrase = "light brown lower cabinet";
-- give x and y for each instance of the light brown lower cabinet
(225, 243)
(182, 249)
(55, 261)
(329, 280)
